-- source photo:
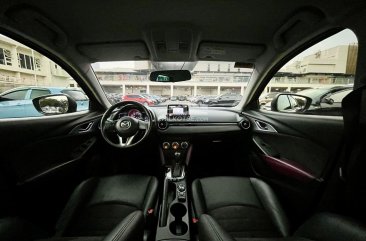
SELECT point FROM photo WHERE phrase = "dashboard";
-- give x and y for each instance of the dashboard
(198, 120)
(183, 119)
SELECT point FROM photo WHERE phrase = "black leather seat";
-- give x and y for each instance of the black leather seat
(109, 209)
(243, 207)
(246, 209)
(321, 227)
(99, 204)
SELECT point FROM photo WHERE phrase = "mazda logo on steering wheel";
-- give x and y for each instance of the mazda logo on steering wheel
(126, 124)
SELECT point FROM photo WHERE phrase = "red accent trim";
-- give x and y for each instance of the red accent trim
(194, 220)
(288, 168)
(150, 211)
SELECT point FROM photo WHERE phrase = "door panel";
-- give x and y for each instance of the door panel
(45, 158)
(295, 153)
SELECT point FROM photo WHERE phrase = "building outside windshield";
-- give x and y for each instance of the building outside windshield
(212, 83)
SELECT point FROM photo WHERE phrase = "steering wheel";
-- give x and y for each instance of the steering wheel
(123, 132)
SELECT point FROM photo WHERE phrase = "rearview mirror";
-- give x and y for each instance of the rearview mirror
(54, 104)
(290, 103)
(170, 76)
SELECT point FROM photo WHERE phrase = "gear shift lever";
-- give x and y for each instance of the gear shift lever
(176, 165)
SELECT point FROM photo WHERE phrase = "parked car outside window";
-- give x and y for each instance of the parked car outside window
(16, 103)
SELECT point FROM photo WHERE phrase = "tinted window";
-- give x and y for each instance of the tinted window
(322, 72)
(21, 66)
(76, 94)
(16, 95)
(37, 93)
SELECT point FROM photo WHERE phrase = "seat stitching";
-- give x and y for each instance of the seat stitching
(241, 204)
(212, 227)
(147, 190)
(124, 227)
(203, 195)
(113, 202)
(266, 209)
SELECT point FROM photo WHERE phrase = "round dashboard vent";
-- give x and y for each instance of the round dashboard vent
(163, 124)
(245, 124)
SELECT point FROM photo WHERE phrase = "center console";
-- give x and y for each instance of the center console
(174, 216)
(174, 213)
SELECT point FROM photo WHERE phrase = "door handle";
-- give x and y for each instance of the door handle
(263, 126)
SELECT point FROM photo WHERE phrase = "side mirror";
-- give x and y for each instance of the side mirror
(55, 104)
(290, 103)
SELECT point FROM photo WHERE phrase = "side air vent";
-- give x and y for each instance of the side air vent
(163, 124)
(245, 124)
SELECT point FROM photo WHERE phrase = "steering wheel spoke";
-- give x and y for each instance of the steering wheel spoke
(143, 125)
(110, 125)
(125, 141)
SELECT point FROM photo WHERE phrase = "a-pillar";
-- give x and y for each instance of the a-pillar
(218, 90)
(242, 89)
(147, 89)
(195, 90)
(123, 89)
(171, 90)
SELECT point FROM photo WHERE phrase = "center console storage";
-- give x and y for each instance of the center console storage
(174, 215)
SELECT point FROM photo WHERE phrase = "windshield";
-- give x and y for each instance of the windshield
(212, 83)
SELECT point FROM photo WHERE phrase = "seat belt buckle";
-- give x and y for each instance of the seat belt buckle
(150, 211)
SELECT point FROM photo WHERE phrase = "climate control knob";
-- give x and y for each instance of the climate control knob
(175, 145)
(166, 145)
(184, 145)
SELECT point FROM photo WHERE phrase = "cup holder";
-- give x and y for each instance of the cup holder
(178, 210)
(178, 227)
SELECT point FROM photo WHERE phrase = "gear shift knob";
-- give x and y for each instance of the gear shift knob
(177, 155)
(176, 165)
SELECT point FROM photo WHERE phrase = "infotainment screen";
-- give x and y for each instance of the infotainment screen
(178, 111)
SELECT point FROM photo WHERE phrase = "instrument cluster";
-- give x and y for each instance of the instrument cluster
(134, 113)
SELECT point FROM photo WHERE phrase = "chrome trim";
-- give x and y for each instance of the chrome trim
(258, 127)
(169, 177)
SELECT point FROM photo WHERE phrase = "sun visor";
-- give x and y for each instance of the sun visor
(121, 51)
(230, 52)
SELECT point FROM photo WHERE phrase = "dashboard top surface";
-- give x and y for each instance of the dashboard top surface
(200, 115)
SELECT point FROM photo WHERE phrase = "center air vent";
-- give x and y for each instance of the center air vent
(245, 124)
(163, 124)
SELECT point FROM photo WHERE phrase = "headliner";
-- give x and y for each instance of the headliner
(231, 21)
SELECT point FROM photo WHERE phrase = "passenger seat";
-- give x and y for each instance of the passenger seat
(246, 209)
(321, 227)
(243, 207)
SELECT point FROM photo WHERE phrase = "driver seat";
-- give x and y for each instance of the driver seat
(99, 206)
